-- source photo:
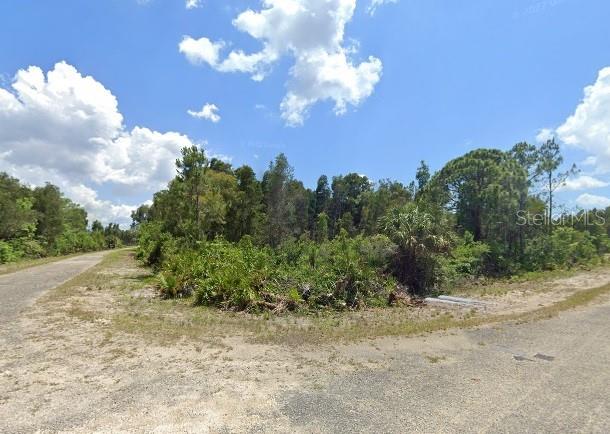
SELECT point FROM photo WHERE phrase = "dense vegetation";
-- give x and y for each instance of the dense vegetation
(228, 239)
(39, 222)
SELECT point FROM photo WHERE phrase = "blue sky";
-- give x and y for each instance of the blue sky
(451, 76)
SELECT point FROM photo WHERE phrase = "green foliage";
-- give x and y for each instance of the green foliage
(75, 241)
(28, 247)
(342, 273)
(421, 235)
(565, 247)
(321, 229)
(467, 259)
(236, 242)
(7, 254)
(155, 245)
(40, 222)
(485, 190)
(16, 213)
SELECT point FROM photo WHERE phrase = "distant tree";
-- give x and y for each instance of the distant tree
(528, 157)
(376, 203)
(484, 188)
(298, 201)
(48, 204)
(97, 226)
(220, 166)
(549, 161)
(140, 215)
(348, 191)
(74, 216)
(321, 229)
(218, 195)
(246, 212)
(191, 169)
(346, 223)
(422, 175)
(322, 195)
(16, 202)
(277, 206)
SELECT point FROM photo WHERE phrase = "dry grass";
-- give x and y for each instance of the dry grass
(544, 280)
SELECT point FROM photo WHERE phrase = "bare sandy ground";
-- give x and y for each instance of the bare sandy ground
(73, 362)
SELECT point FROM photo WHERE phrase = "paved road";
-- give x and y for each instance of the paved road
(19, 289)
(545, 377)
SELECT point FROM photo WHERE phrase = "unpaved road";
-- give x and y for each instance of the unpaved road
(19, 289)
(78, 374)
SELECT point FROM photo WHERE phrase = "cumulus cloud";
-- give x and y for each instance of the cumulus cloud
(544, 135)
(192, 4)
(587, 200)
(588, 128)
(208, 112)
(66, 128)
(201, 50)
(312, 32)
(582, 182)
(374, 4)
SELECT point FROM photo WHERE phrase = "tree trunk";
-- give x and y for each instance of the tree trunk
(550, 202)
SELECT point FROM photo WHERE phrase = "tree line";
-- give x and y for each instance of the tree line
(240, 242)
(41, 221)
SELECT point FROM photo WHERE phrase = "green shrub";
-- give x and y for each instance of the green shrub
(342, 273)
(466, 260)
(155, 246)
(28, 247)
(72, 241)
(219, 273)
(565, 247)
(7, 254)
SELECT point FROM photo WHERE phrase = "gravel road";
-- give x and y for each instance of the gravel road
(79, 375)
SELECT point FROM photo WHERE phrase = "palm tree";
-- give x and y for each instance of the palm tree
(420, 236)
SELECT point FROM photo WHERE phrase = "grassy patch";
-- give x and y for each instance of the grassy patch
(93, 278)
(502, 286)
(435, 359)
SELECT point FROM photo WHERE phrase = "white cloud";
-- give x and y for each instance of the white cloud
(374, 4)
(582, 182)
(104, 210)
(589, 161)
(588, 128)
(192, 4)
(65, 128)
(544, 135)
(218, 156)
(587, 200)
(208, 112)
(201, 50)
(312, 32)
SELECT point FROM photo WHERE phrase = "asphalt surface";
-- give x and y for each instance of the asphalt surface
(550, 376)
(19, 289)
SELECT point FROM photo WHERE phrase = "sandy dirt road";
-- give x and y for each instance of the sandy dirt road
(76, 373)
